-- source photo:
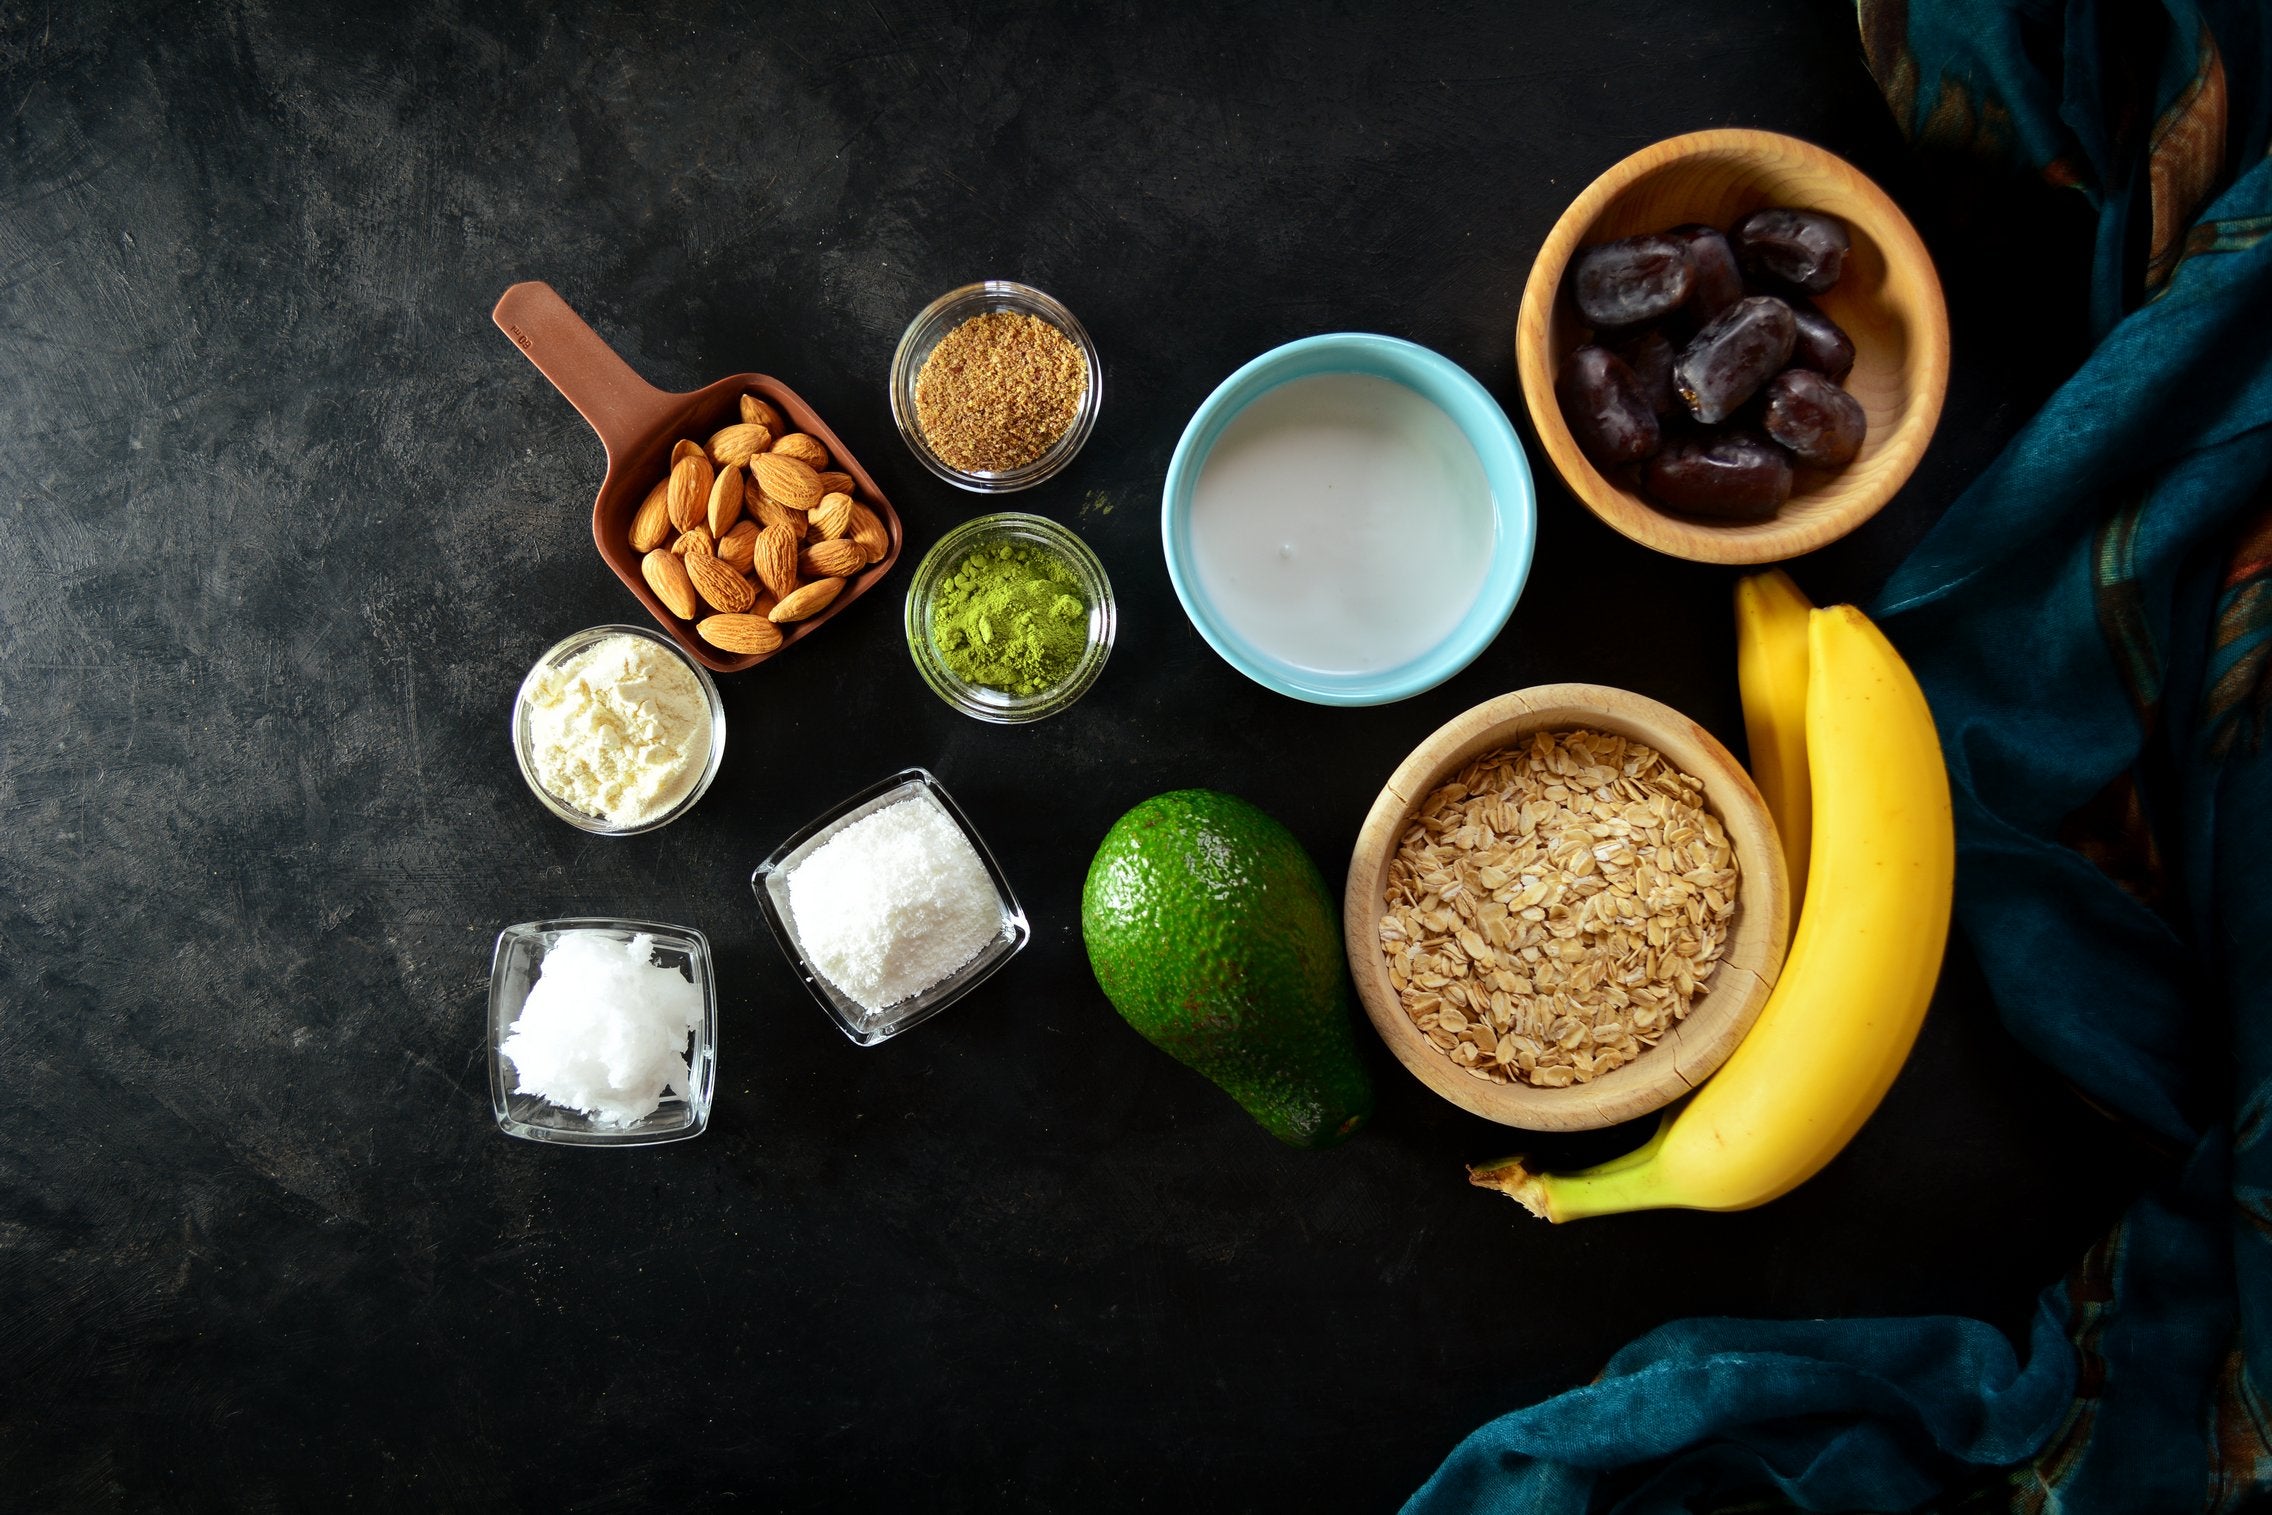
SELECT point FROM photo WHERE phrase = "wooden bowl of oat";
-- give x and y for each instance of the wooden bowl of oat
(1566, 908)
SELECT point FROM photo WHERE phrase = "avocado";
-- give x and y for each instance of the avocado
(1212, 933)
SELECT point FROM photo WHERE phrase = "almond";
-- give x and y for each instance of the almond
(832, 517)
(810, 600)
(764, 603)
(725, 500)
(735, 444)
(651, 526)
(695, 540)
(666, 575)
(791, 481)
(740, 633)
(774, 513)
(774, 560)
(868, 530)
(832, 560)
(686, 449)
(721, 587)
(690, 490)
(756, 412)
(835, 481)
(807, 449)
(736, 547)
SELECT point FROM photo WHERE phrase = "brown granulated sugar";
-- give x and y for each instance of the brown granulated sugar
(998, 391)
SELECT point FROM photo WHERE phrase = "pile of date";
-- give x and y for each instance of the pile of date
(1710, 373)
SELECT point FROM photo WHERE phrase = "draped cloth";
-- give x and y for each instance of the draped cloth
(2092, 625)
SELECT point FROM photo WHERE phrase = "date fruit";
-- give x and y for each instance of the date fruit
(1804, 248)
(1821, 346)
(1650, 357)
(1820, 423)
(1710, 377)
(1628, 282)
(1715, 282)
(1730, 359)
(1733, 474)
(1602, 401)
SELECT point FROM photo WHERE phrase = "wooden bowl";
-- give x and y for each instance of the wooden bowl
(1888, 301)
(638, 424)
(1738, 987)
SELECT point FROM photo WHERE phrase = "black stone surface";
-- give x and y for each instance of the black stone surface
(286, 521)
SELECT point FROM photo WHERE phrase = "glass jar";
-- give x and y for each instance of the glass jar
(946, 313)
(523, 730)
(980, 701)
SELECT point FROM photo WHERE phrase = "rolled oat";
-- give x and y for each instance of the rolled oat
(1557, 908)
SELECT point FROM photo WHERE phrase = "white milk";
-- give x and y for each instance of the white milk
(1342, 524)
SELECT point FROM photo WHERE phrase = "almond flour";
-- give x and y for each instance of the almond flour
(621, 730)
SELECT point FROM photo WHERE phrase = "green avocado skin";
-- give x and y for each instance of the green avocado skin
(1212, 933)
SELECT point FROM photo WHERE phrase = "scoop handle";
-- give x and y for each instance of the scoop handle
(621, 406)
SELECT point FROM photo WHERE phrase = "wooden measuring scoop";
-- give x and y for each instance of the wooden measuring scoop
(638, 424)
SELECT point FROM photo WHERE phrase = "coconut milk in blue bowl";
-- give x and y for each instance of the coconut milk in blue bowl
(1349, 519)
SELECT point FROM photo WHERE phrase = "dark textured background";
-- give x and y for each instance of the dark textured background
(286, 520)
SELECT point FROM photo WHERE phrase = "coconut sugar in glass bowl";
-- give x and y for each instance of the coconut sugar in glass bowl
(944, 315)
(982, 702)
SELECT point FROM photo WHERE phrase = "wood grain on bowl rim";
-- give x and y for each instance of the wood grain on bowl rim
(1889, 302)
(1739, 985)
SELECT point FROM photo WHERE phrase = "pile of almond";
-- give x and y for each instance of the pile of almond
(761, 529)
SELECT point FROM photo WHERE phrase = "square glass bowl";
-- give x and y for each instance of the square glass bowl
(519, 962)
(868, 1027)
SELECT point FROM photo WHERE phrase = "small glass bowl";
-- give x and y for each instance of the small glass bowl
(944, 315)
(566, 648)
(995, 705)
(868, 1027)
(519, 961)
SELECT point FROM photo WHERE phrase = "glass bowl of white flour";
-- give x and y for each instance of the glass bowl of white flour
(618, 731)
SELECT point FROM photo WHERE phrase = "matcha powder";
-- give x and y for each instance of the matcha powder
(1011, 618)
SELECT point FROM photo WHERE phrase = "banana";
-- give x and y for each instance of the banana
(1861, 970)
(1771, 669)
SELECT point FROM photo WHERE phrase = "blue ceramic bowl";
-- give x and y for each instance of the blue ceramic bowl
(1514, 506)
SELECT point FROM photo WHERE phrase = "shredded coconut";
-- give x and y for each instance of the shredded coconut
(604, 1028)
(893, 903)
(621, 730)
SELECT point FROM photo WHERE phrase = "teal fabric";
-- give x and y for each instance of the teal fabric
(2092, 623)
(1824, 1415)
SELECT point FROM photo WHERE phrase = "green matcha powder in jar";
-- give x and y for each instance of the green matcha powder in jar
(1011, 617)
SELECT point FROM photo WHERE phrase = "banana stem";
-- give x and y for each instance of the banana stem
(1559, 1197)
(1603, 1189)
(1512, 1177)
